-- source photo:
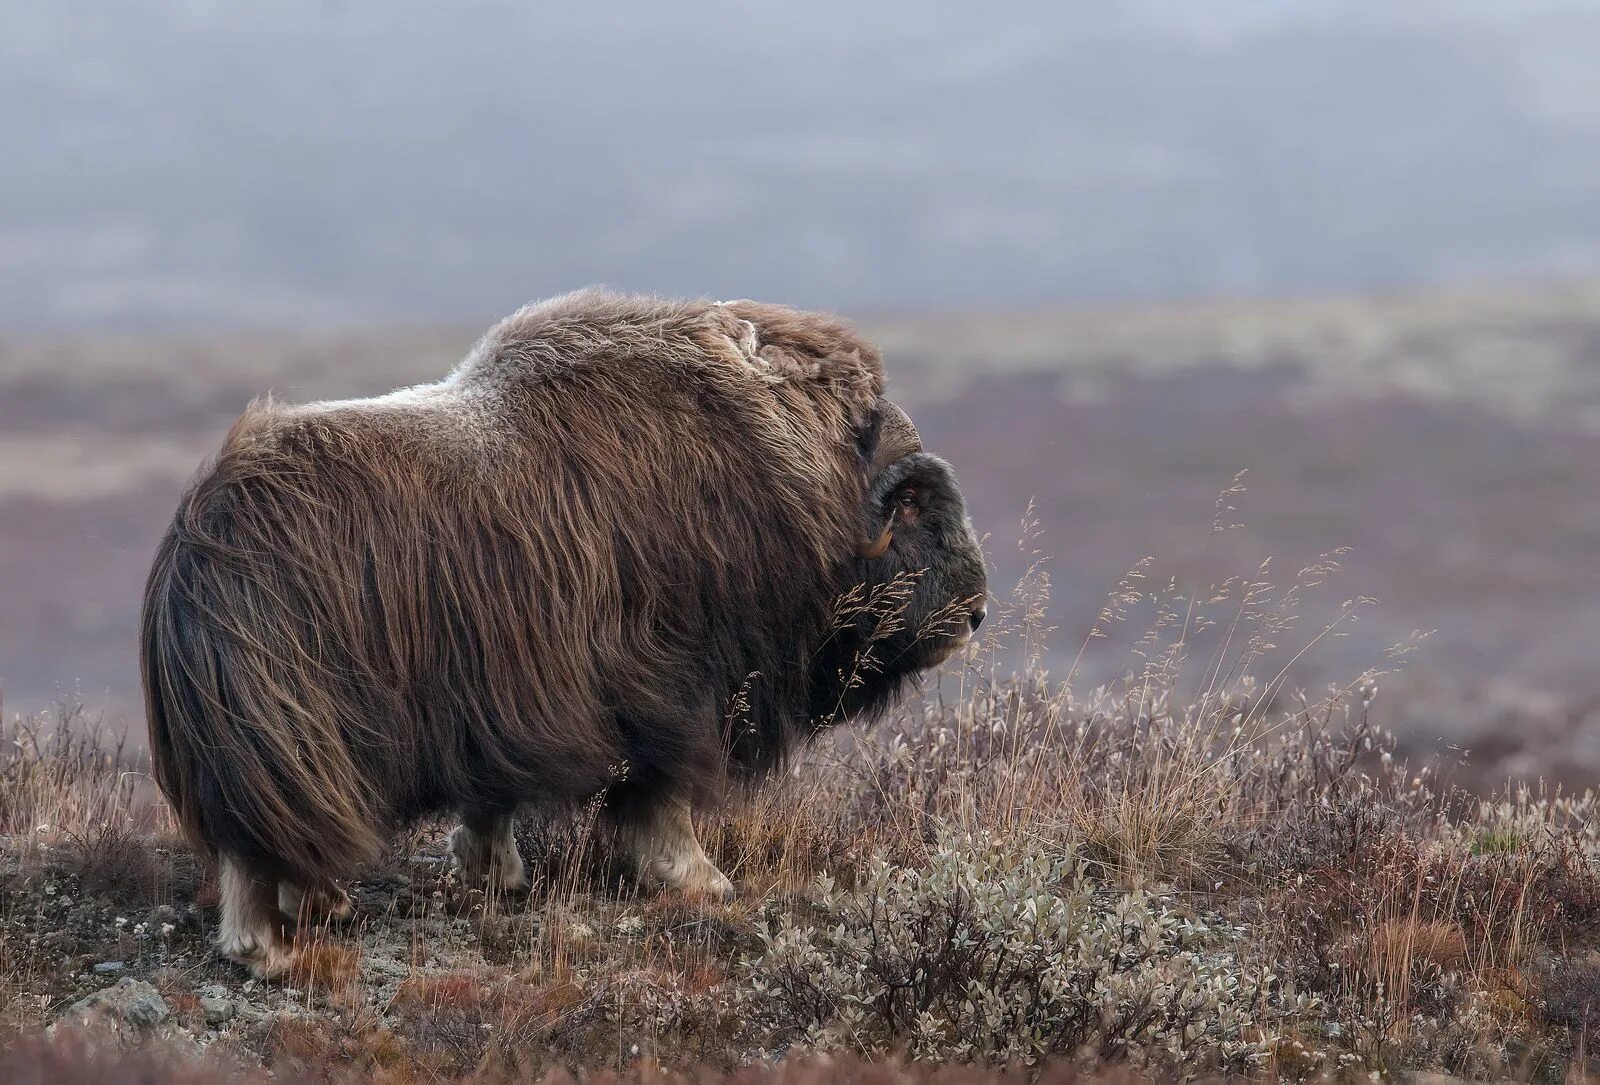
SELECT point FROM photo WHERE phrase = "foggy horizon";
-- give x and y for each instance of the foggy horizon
(344, 164)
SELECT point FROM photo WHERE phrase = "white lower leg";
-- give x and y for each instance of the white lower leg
(251, 930)
(665, 849)
(486, 851)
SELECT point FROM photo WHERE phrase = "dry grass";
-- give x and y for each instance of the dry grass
(323, 964)
(65, 780)
(72, 1060)
(1270, 890)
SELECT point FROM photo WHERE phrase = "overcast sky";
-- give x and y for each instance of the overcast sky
(173, 162)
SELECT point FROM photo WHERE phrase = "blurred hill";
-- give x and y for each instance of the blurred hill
(1451, 439)
(320, 162)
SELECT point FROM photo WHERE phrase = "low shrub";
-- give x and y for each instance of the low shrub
(1002, 951)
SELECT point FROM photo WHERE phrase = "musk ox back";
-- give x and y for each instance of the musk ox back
(550, 575)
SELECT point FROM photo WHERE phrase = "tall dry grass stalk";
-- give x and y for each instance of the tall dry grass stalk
(66, 778)
(1155, 776)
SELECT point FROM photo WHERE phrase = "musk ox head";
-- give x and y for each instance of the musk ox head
(918, 549)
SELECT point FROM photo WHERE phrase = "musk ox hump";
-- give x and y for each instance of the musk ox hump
(593, 327)
(797, 345)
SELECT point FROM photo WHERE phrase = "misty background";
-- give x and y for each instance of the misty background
(174, 162)
(1115, 251)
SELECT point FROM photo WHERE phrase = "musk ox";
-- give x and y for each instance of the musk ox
(628, 548)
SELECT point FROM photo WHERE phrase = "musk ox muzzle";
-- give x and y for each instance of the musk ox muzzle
(627, 548)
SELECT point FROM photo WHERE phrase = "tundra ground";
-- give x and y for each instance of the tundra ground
(1196, 871)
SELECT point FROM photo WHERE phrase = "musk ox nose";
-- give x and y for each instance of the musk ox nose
(978, 615)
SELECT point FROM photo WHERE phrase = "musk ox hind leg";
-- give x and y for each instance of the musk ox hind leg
(484, 848)
(659, 838)
(252, 927)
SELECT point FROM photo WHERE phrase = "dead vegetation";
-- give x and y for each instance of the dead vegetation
(1197, 871)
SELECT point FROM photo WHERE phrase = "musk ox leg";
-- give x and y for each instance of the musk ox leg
(660, 839)
(303, 904)
(252, 926)
(485, 850)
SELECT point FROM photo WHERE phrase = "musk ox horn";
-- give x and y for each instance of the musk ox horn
(897, 438)
(875, 548)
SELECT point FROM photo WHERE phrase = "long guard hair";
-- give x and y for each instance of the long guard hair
(540, 576)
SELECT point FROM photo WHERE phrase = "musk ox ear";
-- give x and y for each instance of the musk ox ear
(891, 439)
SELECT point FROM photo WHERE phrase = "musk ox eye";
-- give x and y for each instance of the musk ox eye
(908, 509)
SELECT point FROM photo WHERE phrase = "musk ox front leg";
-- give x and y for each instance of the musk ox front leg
(252, 927)
(484, 848)
(660, 839)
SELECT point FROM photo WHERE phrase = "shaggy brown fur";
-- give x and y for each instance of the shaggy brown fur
(547, 576)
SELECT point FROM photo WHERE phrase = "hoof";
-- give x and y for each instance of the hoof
(264, 960)
(516, 882)
(721, 889)
(333, 906)
(477, 864)
(706, 881)
(314, 905)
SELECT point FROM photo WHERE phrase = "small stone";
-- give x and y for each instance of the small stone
(218, 1011)
(245, 1010)
(108, 966)
(131, 1001)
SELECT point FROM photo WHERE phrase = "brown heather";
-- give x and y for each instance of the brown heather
(1198, 871)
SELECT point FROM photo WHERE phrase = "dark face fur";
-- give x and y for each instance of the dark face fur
(918, 586)
(933, 552)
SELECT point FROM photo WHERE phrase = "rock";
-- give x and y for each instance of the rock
(131, 1002)
(218, 1011)
(108, 966)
